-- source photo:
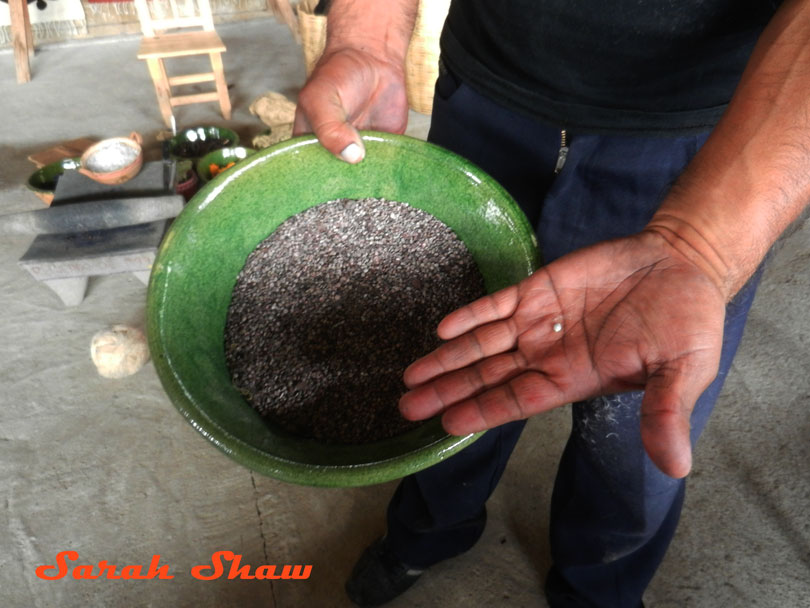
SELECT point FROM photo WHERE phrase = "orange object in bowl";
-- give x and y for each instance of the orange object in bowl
(114, 160)
(215, 169)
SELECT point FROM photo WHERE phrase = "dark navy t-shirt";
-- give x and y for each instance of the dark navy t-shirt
(606, 65)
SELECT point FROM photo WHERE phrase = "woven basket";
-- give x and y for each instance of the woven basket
(313, 33)
(422, 61)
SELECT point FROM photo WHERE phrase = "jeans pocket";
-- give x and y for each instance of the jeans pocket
(447, 83)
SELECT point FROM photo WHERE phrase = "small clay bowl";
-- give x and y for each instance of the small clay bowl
(221, 158)
(42, 182)
(113, 161)
(196, 142)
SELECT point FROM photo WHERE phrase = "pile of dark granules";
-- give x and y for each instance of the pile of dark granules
(332, 307)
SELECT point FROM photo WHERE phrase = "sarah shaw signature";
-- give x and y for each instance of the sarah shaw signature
(203, 572)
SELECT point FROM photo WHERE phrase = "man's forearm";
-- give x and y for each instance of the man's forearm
(752, 177)
(382, 27)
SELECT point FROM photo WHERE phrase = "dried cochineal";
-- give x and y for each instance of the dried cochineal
(332, 307)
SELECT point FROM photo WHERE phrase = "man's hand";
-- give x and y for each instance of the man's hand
(349, 90)
(622, 315)
(359, 82)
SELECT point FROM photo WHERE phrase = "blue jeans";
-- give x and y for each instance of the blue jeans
(613, 513)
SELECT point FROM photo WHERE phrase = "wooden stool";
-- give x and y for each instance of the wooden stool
(22, 39)
(160, 44)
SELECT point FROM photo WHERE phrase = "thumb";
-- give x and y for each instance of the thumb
(342, 140)
(669, 398)
(326, 118)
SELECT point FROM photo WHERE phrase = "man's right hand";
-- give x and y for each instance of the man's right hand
(359, 82)
(352, 89)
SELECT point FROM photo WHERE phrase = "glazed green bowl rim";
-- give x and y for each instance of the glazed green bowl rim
(213, 130)
(202, 171)
(222, 216)
(55, 170)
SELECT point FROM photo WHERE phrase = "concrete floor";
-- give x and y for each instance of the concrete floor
(108, 468)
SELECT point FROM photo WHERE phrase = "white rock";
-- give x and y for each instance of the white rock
(120, 351)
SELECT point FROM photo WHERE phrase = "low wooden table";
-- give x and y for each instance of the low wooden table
(22, 39)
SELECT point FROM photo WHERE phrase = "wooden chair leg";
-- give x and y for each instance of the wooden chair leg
(22, 39)
(221, 84)
(29, 35)
(162, 88)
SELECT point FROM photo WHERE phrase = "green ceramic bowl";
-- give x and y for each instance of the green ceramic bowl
(196, 142)
(207, 245)
(42, 182)
(221, 158)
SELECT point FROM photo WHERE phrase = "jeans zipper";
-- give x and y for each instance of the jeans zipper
(562, 154)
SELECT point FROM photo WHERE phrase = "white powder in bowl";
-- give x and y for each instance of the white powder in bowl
(111, 157)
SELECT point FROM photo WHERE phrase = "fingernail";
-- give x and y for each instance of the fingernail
(352, 153)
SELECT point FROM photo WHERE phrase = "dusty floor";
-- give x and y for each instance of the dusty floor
(108, 468)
